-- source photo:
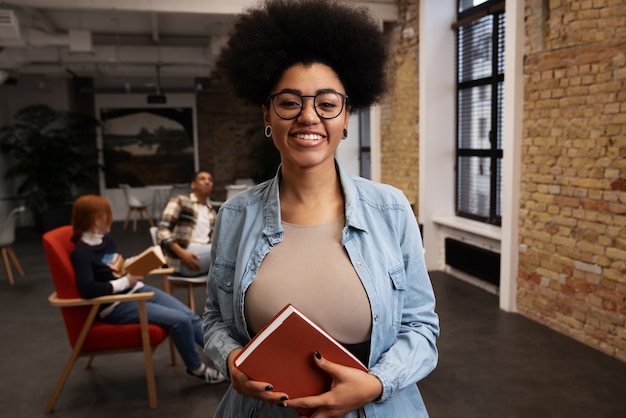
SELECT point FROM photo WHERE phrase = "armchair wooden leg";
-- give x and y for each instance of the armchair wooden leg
(73, 356)
(147, 354)
(127, 218)
(7, 266)
(16, 263)
(172, 351)
(88, 362)
(137, 214)
(62, 379)
(148, 216)
(165, 284)
(167, 289)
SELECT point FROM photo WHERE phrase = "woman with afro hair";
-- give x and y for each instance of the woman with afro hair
(345, 250)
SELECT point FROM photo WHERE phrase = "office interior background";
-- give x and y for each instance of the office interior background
(558, 242)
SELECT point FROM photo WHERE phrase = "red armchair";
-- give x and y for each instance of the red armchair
(87, 335)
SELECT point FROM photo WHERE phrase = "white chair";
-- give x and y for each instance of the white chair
(241, 185)
(246, 181)
(136, 207)
(7, 238)
(172, 282)
(233, 189)
(180, 188)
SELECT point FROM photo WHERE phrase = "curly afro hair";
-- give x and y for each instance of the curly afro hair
(270, 39)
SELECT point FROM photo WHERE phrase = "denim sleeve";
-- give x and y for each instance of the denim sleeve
(218, 318)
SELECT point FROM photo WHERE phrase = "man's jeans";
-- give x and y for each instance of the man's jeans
(204, 251)
(168, 312)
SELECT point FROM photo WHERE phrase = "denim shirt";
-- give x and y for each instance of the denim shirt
(383, 243)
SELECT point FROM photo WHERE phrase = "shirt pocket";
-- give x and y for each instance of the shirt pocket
(397, 277)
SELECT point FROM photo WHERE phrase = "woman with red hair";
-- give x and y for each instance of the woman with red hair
(100, 271)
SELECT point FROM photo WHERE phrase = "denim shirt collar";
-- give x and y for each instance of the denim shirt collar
(353, 212)
(271, 205)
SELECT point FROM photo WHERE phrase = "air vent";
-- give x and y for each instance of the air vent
(9, 26)
(473, 260)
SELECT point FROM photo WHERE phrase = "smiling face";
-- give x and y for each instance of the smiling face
(308, 140)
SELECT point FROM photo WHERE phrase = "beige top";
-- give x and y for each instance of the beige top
(310, 269)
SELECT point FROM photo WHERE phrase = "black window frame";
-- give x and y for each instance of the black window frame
(491, 10)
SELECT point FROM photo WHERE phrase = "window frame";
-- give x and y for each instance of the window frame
(494, 154)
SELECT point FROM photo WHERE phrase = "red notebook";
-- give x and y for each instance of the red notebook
(282, 354)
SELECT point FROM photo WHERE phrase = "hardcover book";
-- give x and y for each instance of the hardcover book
(282, 354)
(142, 264)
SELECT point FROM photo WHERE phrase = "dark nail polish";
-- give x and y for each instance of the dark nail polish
(284, 398)
(269, 387)
(318, 355)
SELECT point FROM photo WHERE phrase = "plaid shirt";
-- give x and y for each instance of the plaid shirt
(177, 223)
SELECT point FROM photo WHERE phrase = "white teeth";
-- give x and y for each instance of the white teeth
(309, 137)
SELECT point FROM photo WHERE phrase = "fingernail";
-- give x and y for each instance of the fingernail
(269, 387)
(318, 355)
(284, 398)
(283, 405)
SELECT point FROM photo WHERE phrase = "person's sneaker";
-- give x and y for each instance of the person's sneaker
(209, 375)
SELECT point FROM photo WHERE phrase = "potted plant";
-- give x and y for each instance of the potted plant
(51, 154)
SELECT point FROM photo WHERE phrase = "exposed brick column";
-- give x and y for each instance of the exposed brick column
(573, 193)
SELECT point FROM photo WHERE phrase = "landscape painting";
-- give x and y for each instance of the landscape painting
(147, 146)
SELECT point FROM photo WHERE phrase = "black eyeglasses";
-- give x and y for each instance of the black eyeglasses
(289, 105)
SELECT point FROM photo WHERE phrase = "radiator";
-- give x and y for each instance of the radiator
(473, 260)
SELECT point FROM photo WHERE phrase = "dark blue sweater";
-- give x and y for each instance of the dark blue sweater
(96, 266)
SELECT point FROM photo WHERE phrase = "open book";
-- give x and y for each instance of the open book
(150, 259)
(282, 354)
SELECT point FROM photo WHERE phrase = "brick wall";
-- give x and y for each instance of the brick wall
(399, 126)
(572, 273)
(230, 137)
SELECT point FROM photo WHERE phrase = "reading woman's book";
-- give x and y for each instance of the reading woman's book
(142, 264)
(282, 354)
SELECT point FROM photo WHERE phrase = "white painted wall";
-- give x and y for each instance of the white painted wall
(437, 143)
(348, 151)
(437, 98)
(512, 161)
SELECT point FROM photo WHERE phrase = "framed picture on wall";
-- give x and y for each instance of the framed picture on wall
(147, 146)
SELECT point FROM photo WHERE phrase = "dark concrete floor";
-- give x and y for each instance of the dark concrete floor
(492, 363)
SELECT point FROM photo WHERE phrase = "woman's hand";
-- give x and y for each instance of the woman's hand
(132, 280)
(350, 390)
(250, 388)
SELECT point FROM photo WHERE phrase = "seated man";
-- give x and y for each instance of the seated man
(186, 226)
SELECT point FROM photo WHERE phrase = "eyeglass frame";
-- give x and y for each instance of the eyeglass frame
(344, 101)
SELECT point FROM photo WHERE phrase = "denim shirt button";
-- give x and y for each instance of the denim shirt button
(375, 317)
(228, 284)
(253, 267)
(358, 264)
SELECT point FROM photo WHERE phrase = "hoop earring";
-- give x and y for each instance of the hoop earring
(268, 131)
(345, 133)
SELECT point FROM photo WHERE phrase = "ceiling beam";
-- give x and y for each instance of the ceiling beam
(385, 10)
